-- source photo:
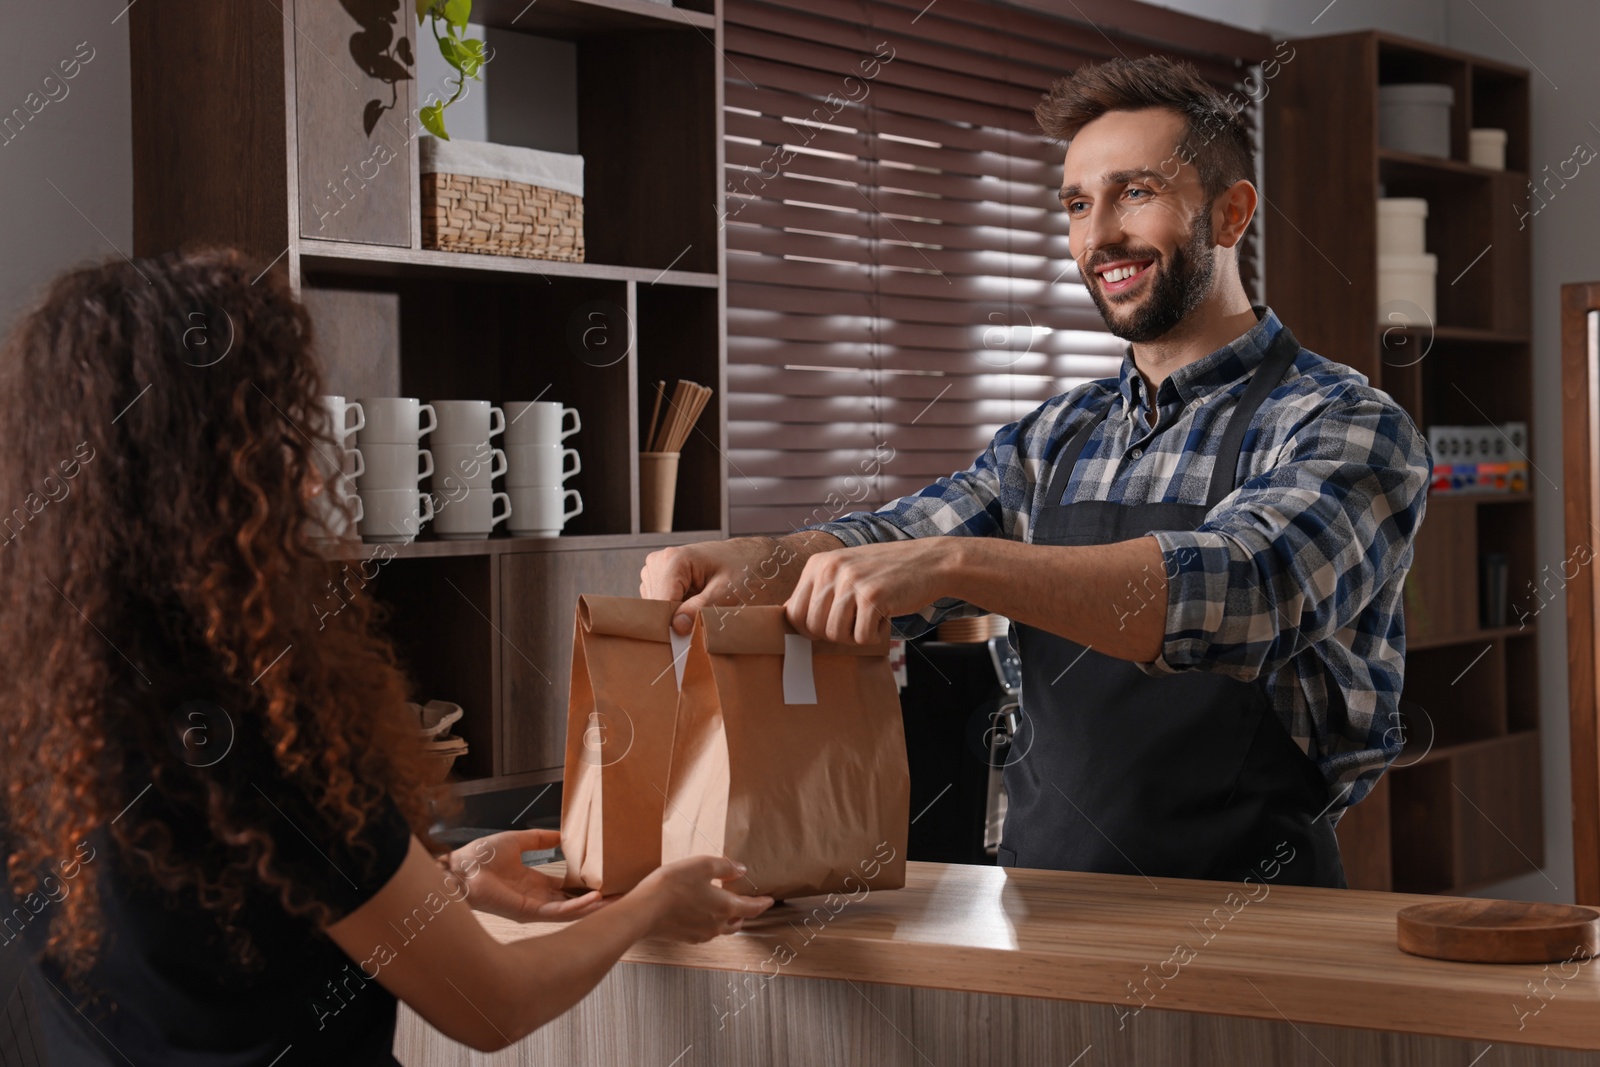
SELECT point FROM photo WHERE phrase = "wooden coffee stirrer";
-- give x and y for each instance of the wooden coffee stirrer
(688, 401)
(661, 389)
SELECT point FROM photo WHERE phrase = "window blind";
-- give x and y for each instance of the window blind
(899, 279)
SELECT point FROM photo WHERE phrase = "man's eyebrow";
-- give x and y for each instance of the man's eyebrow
(1116, 177)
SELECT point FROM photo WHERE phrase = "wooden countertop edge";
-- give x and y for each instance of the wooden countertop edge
(1365, 1000)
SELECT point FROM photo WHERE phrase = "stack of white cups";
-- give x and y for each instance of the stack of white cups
(465, 501)
(335, 511)
(536, 466)
(391, 451)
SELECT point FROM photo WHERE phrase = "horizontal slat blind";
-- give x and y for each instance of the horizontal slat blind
(900, 284)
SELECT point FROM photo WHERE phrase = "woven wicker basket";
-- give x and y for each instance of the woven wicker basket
(489, 212)
(500, 218)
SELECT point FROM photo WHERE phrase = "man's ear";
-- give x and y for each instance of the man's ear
(1232, 211)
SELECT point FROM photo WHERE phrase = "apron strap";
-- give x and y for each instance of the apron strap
(1268, 374)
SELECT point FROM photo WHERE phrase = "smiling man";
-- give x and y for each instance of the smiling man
(1203, 557)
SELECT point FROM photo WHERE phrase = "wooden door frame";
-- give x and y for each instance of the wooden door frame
(1580, 421)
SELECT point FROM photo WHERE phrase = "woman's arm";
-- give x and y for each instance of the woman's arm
(420, 940)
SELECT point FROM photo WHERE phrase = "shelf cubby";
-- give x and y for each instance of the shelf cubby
(1460, 690)
(1522, 690)
(678, 330)
(440, 617)
(1422, 828)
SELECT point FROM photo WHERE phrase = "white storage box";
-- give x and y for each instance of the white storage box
(1415, 118)
(1406, 286)
(1489, 148)
(1402, 226)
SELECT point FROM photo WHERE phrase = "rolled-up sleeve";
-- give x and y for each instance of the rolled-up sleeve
(985, 500)
(1296, 553)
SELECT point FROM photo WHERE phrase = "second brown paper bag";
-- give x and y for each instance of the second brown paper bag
(789, 756)
(621, 714)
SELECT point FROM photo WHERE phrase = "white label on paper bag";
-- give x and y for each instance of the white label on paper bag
(680, 653)
(799, 687)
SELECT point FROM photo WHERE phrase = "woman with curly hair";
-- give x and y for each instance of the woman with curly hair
(211, 808)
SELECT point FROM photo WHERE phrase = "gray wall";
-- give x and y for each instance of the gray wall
(81, 143)
(66, 173)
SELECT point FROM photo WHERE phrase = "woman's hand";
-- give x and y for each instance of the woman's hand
(498, 883)
(689, 906)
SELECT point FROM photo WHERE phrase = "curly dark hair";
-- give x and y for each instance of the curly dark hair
(1217, 138)
(161, 422)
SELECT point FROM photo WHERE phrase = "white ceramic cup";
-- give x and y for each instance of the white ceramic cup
(530, 465)
(333, 513)
(468, 513)
(467, 466)
(539, 422)
(395, 420)
(538, 509)
(338, 418)
(394, 514)
(394, 466)
(467, 422)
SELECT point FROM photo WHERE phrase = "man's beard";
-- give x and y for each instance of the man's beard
(1178, 287)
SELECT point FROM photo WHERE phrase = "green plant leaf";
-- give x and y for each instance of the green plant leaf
(432, 118)
(471, 56)
(422, 9)
(456, 12)
(453, 53)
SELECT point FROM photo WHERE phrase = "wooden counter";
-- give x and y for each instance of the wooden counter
(988, 965)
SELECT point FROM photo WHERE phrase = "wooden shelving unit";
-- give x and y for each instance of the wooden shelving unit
(248, 131)
(1461, 807)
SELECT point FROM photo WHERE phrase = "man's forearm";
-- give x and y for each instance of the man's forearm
(1112, 598)
(791, 551)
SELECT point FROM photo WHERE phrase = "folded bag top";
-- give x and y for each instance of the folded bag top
(762, 628)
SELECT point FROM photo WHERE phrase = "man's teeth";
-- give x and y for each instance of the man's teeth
(1121, 273)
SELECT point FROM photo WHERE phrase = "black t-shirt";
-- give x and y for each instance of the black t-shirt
(167, 989)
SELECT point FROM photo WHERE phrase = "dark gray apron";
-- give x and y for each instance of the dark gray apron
(1188, 775)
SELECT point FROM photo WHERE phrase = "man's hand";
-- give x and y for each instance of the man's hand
(743, 570)
(848, 596)
(499, 884)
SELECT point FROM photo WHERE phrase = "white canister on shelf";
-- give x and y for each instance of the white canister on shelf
(1406, 287)
(1402, 226)
(1488, 148)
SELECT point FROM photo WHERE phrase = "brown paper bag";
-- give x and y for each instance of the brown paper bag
(620, 720)
(789, 757)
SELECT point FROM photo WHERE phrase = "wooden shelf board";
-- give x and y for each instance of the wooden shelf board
(498, 783)
(1402, 161)
(1411, 44)
(1458, 334)
(1441, 752)
(388, 261)
(577, 19)
(494, 546)
(1452, 498)
(1446, 640)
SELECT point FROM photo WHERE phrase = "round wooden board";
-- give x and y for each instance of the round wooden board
(1499, 931)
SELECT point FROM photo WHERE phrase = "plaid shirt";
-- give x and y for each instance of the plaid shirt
(1293, 582)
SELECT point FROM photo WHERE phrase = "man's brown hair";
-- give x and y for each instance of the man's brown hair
(1217, 141)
